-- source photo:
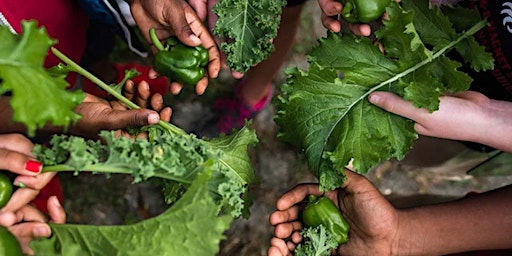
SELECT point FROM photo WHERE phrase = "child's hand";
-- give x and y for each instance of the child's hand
(286, 218)
(141, 95)
(331, 9)
(177, 18)
(16, 157)
(466, 116)
(373, 220)
(30, 223)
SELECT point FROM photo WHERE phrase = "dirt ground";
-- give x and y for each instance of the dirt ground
(434, 171)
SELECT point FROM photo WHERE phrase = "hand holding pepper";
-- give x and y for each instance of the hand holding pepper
(332, 9)
(370, 216)
(177, 18)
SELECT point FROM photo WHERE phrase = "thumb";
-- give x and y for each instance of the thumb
(19, 163)
(134, 118)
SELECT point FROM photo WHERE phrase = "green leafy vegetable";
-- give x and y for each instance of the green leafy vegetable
(249, 27)
(325, 110)
(38, 97)
(170, 155)
(317, 242)
(192, 226)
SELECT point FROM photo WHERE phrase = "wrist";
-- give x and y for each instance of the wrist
(410, 235)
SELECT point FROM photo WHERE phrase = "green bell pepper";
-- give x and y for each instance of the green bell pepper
(363, 11)
(322, 211)
(178, 61)
(8, 243)
(6, 189)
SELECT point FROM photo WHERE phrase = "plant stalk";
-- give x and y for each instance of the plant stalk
(172, 128)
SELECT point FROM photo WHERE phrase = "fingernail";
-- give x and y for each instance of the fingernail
(374, 99)
(41, 231)
(153, 118)
(56, 201)
(33, 166)
(195, 38)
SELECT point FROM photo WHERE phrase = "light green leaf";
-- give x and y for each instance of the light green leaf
(325, 110)
(192, 226)
(37, 97)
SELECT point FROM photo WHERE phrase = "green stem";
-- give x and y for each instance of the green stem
(436, 55)
(108, 169)
(172, 128)
(154, 39)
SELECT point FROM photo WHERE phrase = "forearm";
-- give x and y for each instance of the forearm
(480, 222)
(498, 130)
(8, 126)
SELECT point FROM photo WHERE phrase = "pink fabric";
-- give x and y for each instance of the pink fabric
(63, 20)
(235, 111)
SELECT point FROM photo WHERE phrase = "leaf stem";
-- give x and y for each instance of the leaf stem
(172, 128)
(475, 28)
(108, 169)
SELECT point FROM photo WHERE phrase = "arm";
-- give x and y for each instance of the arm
(466, 116)
(98, 114)
(480, 222)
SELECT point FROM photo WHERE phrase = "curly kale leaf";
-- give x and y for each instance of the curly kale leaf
(248, 27)
(325, 110)
(192, 226)
(177, 159)
(38, 98)
(317, 242)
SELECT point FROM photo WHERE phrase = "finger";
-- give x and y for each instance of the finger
(35, 182)
(200, 6)
(165, 114)
(181, 20)
(296, 195)
(361, 29)
(394, 104)
(143, 93)
(157, 102)
(16, 142)
(296, 237)
(280, 245)
(152, 74)
(330, 7)
(274, 251)
(175, 88)
(208, 42)
(129, 90)
(331, 23)
(56, 211)
(201, 86)
(8, 219)
(237, 75)
(131, 118)
(19, 163)
(20, 198)
(284, 216)
(30, 213)
(286, 230)
(26, 232)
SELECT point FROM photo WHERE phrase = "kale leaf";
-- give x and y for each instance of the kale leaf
(248, 28)
(325, 110)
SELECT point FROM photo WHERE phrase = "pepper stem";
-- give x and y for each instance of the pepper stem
(154, 39)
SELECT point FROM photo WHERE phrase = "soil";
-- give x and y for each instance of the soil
(434, 171)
